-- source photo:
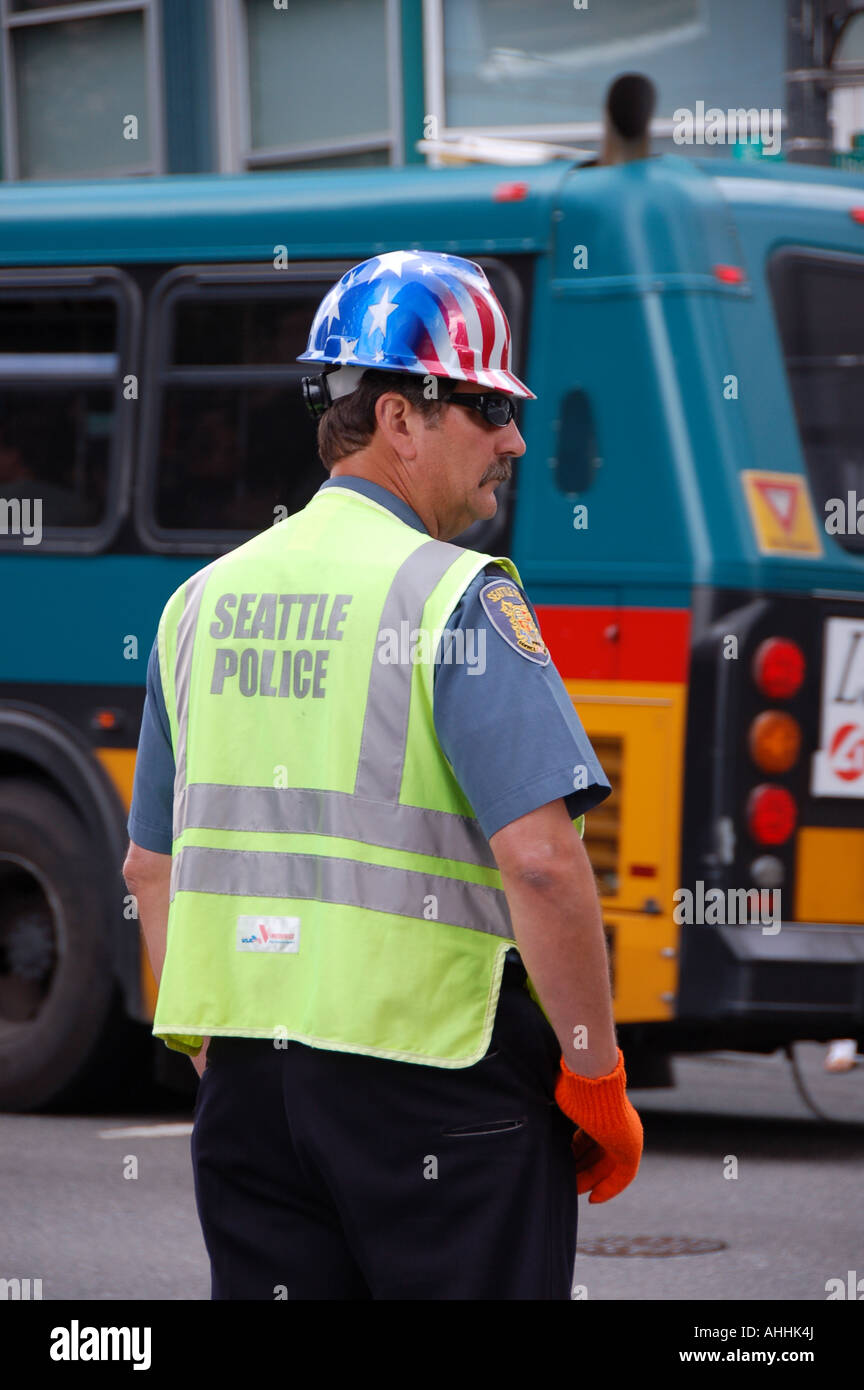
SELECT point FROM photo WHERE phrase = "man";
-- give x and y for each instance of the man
(373, 774)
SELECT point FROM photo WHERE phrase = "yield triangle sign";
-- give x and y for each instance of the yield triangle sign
(781, 512)
(782, 498)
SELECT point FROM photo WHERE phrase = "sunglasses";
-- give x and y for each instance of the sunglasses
(497, 409)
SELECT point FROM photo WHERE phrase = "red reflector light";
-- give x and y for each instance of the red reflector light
(643, 870)
(106, 719)
(857, 214)
(510, 192)
(729, 274)
(771, 814)
(775, 741)
(778, 667)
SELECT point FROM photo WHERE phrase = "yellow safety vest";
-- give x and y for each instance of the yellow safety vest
(330, 882)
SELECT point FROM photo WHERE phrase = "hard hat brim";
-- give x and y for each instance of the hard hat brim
(495, 378)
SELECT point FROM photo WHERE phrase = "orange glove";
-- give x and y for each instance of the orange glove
(608, 1143)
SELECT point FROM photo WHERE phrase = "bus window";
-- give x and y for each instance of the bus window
(59, 368)
(819, 303)
(231, 442)
(576, 453)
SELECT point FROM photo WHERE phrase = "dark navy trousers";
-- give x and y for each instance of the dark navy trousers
(329, 1175)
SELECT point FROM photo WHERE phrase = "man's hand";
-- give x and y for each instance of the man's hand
(200, 1062)
(607, 1146)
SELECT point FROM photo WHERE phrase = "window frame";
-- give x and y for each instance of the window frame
(569, 133)
(92, 282)
(231, 79)
(157, 370)
(779, 266)
(11, 20)
(235, 281)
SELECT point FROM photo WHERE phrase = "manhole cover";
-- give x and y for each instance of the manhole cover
(654, 1246)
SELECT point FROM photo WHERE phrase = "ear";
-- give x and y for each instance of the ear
(398, 422)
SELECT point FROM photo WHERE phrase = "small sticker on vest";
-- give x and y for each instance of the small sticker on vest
(268, 934)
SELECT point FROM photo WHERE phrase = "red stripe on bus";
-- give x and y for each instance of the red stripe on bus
(625, 644)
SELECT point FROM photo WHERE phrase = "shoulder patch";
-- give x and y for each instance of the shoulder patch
(511, 617)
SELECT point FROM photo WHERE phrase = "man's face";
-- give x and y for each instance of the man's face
(464, 459)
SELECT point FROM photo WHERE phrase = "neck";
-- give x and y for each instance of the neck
(394, 479)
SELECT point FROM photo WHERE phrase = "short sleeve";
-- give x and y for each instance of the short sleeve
(150, 823)
(503, 716)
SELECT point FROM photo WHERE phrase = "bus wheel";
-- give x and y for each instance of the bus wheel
(56, 986)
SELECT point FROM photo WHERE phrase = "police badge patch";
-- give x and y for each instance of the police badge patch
(510, 616)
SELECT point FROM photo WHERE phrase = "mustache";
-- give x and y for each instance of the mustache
(502, 470)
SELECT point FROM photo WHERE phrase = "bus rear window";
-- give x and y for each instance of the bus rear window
(59, 365)
(819, 303)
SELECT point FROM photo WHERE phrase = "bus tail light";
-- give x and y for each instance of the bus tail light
(771, 814)
(775, 741)
(768, 871)
(105, 719)
(778, 667)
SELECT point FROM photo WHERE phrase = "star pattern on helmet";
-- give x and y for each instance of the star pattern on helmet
(379, 312)
(395, 260)
(330, 309)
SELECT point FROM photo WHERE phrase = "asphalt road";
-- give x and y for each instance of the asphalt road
(789, 1221)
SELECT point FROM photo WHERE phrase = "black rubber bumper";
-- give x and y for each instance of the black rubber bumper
(810, 969)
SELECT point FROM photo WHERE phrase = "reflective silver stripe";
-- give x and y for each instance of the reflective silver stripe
(182, 669)
(298, 810)
(388, 699)
(262, 874)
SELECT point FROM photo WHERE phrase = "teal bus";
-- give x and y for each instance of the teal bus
(688, 520)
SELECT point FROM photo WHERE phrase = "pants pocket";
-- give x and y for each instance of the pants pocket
(489, 1127)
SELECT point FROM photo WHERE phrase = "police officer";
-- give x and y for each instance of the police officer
(356, 820)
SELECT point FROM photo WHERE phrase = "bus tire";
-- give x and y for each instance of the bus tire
(57, 991)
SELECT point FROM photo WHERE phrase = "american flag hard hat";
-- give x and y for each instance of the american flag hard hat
(417, 311)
